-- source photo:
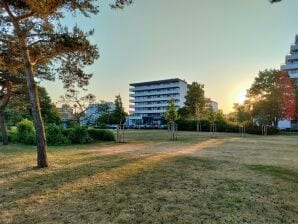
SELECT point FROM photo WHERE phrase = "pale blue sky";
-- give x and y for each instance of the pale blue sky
(220, 43)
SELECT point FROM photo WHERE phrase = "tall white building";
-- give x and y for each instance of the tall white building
(291, 66)
(149, 100)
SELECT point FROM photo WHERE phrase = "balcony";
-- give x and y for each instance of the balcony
(294, 48)
(152, 105)
(147, 111)
(155, 93)
(292, 57)
(154, 99)
(290, 66)
(293, 74)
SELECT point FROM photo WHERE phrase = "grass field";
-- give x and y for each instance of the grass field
(149, 179)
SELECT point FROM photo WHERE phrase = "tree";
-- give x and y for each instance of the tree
(182, 113)
(195, 100)
(118, 114)
(78, 103)
(171, 114)
(104, 109)
(5, 93)
(271, 97)
(32, 35)
(242, 113)
(286, 90)
(10, 86)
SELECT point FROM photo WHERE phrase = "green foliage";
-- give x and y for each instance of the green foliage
(77, 135)
(171, 114)
(101, 135)
(118, 115)
(271, 97)
(19, 108)
(12, 116)
(195, 100)
(221, 126)
(57, 135)
(13, 136)
(242, 113)
(54, 134)
(48, 110)
(26, 132)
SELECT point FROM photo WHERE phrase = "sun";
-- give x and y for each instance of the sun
(241, 96)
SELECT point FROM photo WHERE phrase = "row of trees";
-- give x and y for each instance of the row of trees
(272, 97)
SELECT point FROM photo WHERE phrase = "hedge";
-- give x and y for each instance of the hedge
(222, 126)
(57, 135)
(101, 135)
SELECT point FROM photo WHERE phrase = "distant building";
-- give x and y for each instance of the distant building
(149, 100)
(211, 104)
(291, 66)
(65, 113)
(94, 111)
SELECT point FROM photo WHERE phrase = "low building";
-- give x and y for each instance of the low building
(65, 113)
(149, 100)
(94, 111)
(211, 104)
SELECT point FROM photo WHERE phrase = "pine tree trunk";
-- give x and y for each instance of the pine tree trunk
(3, 128)
(42, 160)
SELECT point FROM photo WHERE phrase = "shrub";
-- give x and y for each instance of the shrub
(26, 132)
(77, 135)
(101, 135)
(13, 136)
(54, 134)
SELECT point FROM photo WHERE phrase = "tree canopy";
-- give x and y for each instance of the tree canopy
(171, 114)
(195, 100)
(272, 97)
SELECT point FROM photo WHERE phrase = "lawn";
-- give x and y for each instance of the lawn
(150, 179)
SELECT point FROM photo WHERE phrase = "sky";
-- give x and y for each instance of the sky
(222, 44)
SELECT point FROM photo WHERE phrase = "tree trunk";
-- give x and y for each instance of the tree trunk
(3, 128)
(42, 160)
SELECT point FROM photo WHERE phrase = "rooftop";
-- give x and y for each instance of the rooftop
(157, 82)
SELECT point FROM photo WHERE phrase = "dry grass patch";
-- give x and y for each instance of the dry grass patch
(150, 179)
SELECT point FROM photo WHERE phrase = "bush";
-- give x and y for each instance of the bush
(26, 132)
(13, 136)
(77, 135)
(101, 135)
(54, 134)
(101, 126)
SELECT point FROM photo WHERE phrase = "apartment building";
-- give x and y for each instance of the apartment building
(149, 100)
(291, 64)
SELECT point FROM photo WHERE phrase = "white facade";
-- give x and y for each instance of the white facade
(291, 65)
(150, 99)
(94, 111)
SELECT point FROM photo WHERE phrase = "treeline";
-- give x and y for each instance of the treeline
(272, 97)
